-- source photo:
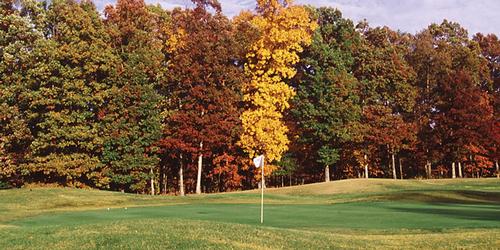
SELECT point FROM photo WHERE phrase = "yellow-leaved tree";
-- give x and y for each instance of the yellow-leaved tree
(284, 29)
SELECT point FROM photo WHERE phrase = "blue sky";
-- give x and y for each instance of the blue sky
(406, 15)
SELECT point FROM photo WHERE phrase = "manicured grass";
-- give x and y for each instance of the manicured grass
(346, 214)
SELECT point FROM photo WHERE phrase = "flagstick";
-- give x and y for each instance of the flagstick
(262, 195)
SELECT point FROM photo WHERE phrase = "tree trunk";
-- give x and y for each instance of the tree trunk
(161, 180)
(393, 167)
(200, 165)
(181, 177)
(428, 169)
(264, 182)
(460, 169)
(366, 167)
(428, 166)
(165, 183)
(498, 170)
(282, 181)
(290, 179)
(327, 173)
(453, 174)
(400, 168)
(152, 182)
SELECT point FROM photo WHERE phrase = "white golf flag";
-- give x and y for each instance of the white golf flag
(258, 161)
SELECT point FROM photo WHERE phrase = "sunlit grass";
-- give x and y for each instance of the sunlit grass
(379, 214)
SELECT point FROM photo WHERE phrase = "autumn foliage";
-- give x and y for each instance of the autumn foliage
(270, 60)
(143, 99)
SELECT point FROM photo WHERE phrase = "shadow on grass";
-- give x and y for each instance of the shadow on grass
(489, 213)
(453, 197)
(480, 195)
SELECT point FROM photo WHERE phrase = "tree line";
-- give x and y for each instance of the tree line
(147, 100)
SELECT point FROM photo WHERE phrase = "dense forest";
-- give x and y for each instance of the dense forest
(143, 99)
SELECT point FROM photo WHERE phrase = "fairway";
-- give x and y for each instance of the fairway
(387, 214)
(268, 124)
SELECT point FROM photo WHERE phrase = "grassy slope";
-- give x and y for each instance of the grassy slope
(347, 214)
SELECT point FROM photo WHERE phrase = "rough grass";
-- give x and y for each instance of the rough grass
(383, 214)
(195, 234)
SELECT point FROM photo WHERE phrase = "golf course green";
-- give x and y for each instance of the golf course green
(371, 213)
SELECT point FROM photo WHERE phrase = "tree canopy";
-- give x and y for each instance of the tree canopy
(148, 100)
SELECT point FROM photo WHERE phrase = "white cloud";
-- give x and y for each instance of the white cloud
(167, 4)
(406, 15)
(415, 15)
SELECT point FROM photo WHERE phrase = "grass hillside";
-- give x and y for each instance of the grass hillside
(342, 214)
